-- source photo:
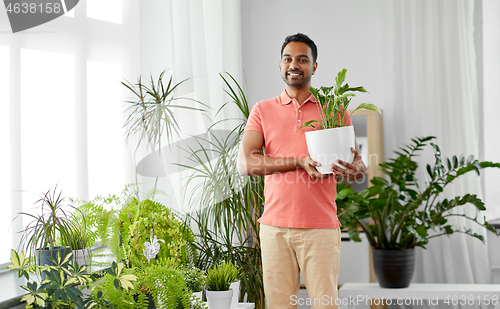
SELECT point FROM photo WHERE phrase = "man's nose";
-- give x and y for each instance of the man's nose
(294, 64)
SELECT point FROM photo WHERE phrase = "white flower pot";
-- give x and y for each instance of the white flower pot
(82, 256)
(197, 296)
(326, 146)
(219, 299)
(235, 286)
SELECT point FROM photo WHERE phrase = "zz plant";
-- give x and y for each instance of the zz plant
(334, 102)
(402, 212)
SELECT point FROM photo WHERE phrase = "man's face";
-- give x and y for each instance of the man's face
(296, 65)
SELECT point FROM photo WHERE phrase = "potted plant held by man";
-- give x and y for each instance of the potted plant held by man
(333, 103)
(218, 282)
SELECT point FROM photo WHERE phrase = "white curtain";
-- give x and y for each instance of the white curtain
(437, 94)
(61, 108)
(205, 41)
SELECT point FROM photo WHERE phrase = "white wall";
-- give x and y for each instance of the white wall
(348, 34)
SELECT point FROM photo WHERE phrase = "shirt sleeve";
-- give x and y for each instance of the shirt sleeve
(254, 122)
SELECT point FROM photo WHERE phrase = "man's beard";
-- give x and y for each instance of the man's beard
(296, 83)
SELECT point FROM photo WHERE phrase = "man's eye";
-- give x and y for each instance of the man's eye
(303, 60)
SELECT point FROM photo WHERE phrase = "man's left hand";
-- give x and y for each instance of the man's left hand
(353, 171)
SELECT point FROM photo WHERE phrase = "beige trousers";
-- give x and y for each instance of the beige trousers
(286, 252)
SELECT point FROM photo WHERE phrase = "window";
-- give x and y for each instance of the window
(61, 123)
(47, 122)
(104, 123)
(5, 188)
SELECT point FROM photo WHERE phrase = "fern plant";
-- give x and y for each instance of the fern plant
(402, 212)
(166, 285)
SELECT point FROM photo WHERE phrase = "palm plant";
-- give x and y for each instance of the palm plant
(228, 205)
(402, 213)
(150, 114)
(333, 105)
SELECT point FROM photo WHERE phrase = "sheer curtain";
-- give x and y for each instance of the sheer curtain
(61, 107)
(437, 94)
(204, 40)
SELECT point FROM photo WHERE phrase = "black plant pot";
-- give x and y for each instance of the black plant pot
(151, 302)
(394, 268)
(46, 253)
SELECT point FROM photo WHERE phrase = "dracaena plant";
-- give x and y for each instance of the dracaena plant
(404, 214)
(334, 101)
(150, 114)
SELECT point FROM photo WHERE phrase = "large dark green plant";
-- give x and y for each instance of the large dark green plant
(227, 209)
(401, 212)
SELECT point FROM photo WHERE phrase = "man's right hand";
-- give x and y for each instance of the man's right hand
(309, 165)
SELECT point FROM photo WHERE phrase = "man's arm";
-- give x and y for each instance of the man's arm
(251, 162)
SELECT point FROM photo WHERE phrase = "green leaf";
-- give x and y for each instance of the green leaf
(344, 193)
(367, 106)
(430, 172)
(309, 124)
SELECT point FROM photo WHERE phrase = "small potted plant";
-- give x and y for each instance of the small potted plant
(51, 222)
(404, 215)
(62, 286)
(218, 282)
(333, 103)
(195, 281)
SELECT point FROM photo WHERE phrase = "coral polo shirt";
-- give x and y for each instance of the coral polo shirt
(292, 199)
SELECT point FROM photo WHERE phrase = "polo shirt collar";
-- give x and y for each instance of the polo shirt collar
(285, 98)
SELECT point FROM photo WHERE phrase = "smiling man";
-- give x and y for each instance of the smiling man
(299, 229)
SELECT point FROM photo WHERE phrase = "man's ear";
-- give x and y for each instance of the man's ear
(315, 66)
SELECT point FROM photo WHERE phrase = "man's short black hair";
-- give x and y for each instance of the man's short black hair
(300, 37)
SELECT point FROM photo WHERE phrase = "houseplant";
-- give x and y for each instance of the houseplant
(218, 282)
(150, 113)
(143, 221)
(62, 286)
(83, 238)
(225, 212)
(403, 214)
(51, 222)
(333, 103)
(195, 280)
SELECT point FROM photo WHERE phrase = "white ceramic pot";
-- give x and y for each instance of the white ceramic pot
(197, 296)
(235, 286)
(82, 256)
(326, 146)
(219, 299)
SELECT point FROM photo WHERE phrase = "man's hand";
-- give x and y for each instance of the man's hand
(309, 165)
(354, 171)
